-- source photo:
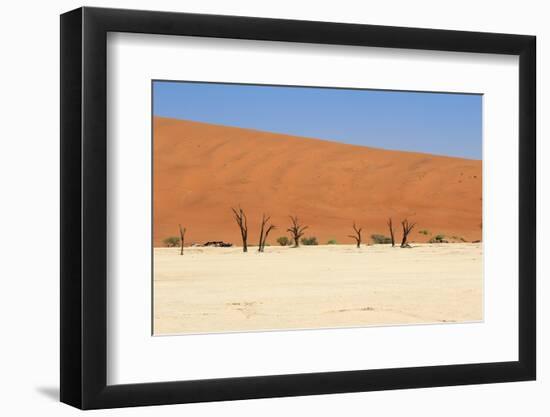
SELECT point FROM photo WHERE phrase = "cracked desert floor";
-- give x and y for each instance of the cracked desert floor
(213, 290)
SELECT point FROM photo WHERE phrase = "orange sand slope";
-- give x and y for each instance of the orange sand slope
(202, 170)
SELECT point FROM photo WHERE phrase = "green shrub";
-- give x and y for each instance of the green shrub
(332, 242)
(171, 241)
(424, 232)
(309, 241)
(438, 239)
(380, 239)
(283, 241)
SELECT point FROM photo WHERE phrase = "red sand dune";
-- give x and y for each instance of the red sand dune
(202, 170)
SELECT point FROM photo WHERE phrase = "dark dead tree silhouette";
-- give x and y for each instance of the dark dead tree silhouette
(296, 230)
(240, 218)
(390, 225)
(182, 237)
(264, 231)
(269, 229)
(264, 222)
(407, 227)
(357, 235)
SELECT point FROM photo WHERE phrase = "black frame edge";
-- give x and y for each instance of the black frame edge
(70, 220)
(83, 208)
(528, 207)
(94, 208)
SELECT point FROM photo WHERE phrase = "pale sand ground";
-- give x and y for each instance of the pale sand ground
(223, 289)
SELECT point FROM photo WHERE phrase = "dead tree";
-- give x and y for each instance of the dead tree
(182, 238)
(269, 229)
(264, 231)
(296, 230)
(407, 227)
(357, 235)
(240, 218)
(390, 225)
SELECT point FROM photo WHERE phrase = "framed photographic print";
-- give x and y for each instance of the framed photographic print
(257, 208)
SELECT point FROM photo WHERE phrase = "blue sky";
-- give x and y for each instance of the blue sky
(436, 123)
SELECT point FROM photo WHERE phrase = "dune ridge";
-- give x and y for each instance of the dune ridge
(201, 170)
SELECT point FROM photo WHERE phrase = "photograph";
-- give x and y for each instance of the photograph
(295, 207)
(260, 204)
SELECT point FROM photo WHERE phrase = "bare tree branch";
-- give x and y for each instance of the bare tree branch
(357, 235)
(407, 227)
(264, 232)
(269, 229)
(182, 237)
(296, 230)
(390, 225)
(240, 218)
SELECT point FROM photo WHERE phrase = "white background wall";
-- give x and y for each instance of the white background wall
(29, 232)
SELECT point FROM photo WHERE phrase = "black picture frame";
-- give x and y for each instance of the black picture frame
(84, 207)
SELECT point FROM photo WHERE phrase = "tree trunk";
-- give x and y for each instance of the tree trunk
(357, 235)
(390, 225)
(240, 218)
(260, 245)
(407, 227)
(264, 232)
(182, 238)
(296, 230)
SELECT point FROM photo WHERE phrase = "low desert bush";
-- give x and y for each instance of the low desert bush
(332, 242)
(380, 239)
(283, 241)
(424, 232)
(438, 239)
(309, 241)
(171, 241)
